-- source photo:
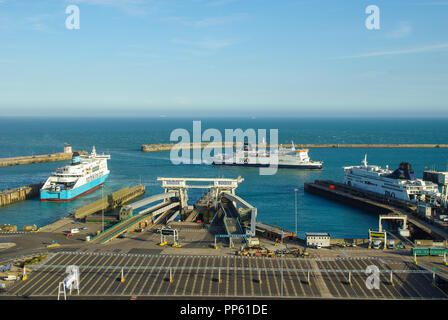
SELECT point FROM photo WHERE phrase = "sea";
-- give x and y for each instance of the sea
(273, 195)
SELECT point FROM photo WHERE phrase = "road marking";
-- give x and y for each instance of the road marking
(267, 279)
(86, 284)
(54, 276)
(320, 283)
(131, 278)
(292, 280)
(188, 276)
(149, 277)
(174, 275)
(177, 283)
(157, 276)
(114, 278)
(99, 277)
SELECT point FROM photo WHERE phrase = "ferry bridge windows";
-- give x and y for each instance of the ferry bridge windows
(389, 194)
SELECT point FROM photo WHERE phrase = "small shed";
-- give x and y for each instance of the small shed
(313, 239)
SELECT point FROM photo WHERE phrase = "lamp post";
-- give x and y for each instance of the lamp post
(102, 211)
(295, 207)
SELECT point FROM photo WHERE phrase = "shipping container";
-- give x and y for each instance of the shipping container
(420, 251)
(437, 251)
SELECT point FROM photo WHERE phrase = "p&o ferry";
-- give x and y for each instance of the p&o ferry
(85, 174)
(286, 158)
(399, 184)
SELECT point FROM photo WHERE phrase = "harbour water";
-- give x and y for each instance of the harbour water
(272, 195)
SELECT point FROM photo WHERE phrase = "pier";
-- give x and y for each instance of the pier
(54, 157)
(374, 203)
(19, 194)
(111, 201)
(168, 146)
(142, 265)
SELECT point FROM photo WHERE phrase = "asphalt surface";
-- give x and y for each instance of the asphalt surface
(148, 275)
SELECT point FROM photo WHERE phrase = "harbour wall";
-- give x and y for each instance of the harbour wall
(169, 146)
(54, 157)
(111, 201)
(19, 194)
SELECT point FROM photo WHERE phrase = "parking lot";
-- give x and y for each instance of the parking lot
(147, 275)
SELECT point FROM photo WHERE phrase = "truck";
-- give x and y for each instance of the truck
(376, 244)
(10, 277)
(391, 244)
(253, 242)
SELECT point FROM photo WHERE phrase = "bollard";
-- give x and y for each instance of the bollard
(350, 278)
(391, 279)
(309, 282)
(219, 275)
(24, 277)
(415, 259)
(122, 276)
(171, 276)
(434, 276)
(259, 277)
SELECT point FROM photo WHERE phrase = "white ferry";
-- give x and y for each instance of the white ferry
(287, 158)
(400, 183)
(85, 174)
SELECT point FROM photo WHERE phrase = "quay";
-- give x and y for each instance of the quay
(373, 203)
(19, 194)
(111, 201)
(168, 146)
(161, 256)
(54, 157)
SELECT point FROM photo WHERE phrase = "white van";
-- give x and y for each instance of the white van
(11, 277)
(376, 244)
(76, 230)
(253, 242)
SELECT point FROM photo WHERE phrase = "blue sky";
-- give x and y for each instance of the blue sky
(224, 57)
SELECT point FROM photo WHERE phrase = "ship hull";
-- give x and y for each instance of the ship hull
(70, 195)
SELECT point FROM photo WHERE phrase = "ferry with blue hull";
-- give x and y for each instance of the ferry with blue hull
(85, 174)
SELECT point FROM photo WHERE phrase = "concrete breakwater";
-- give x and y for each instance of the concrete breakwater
(111, 201)
(14, 161)
(19, 194)
(169, 146)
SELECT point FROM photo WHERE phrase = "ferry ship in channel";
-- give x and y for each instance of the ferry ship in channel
(399, 184)
(85, 174)
(287, 158)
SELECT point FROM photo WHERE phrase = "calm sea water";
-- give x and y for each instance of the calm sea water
(272, 195)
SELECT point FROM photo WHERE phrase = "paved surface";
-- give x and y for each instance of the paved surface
(148, 275)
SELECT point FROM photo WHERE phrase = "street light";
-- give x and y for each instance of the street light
(295, 207)
(102, 211)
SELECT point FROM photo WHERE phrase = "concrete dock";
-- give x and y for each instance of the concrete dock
(143, 265)
(111, 201)
(54, 157)
(169, 146)
(374, 203)
(19, 194)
